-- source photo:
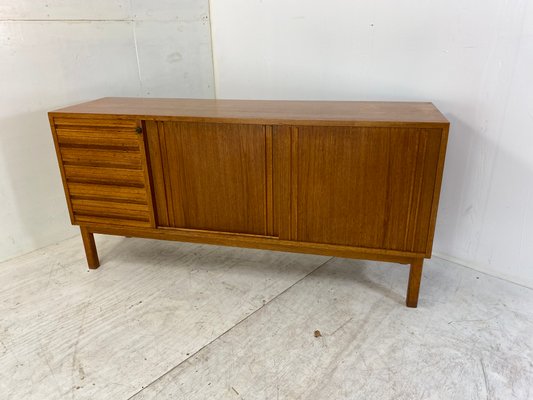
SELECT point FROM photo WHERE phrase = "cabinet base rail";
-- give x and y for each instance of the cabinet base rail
(251, 241)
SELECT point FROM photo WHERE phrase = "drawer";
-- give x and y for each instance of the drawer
(108, 211)
(105, 171)
(104, 175)
(102, 137)
(101, 157)
(109, 204)
(88, 121)
(111, 192)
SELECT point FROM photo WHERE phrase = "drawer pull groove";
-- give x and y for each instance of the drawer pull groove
(107, 199)
(87, 213)
(88, 219)
(108, 182)
(103, 146)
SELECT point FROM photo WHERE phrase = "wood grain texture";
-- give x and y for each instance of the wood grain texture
(157, 175)
(262, 111)
(294, 186)
(112, 137)
(364, 187)
(104, 168)
(282, 180)
(215, 176)
(108, 192)
(254, 241)
(110, 208)
(413, 287)
(98, 157)
(90, 248)
(437, 189)
(103, 175)
(61, 167)
(87, 121)
(269, 181)
(145, 157)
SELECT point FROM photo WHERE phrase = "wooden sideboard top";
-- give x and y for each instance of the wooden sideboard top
(264, 111)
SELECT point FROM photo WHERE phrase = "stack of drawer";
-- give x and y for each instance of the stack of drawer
(105, 171)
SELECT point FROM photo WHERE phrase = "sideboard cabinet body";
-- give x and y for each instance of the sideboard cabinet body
(350, 179)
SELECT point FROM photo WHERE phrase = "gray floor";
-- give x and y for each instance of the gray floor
(164, 320)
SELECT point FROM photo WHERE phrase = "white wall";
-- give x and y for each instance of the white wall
(472, 58)
(56, 53)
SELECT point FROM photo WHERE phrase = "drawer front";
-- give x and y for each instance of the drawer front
(104, 170)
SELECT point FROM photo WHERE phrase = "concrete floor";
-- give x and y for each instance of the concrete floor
(165, 320)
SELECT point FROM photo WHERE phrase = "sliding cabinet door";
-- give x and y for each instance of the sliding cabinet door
(364, 187)
(210, 176)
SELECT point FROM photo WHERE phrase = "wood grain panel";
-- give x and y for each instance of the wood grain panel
(116, 121)
(427, 183)
(365, 187)
(343, 185)
(158, 177)
(269, 209)
(146, 173)
(111, 138)
(105, 170)
(111, 209)
(267, 112)
(436, 191)
(258, 242)
(105, 221)
(282, 181)
(215, 176)
(174, 174)
(102, 175)
(404, 151)
(101, 157)
(294, 184)
(132, 194)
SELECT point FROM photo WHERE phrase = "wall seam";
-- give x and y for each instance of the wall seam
(134, 28)
(63, 20)
(213, 64)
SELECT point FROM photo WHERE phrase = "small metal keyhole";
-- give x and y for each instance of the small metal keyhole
(139, 130)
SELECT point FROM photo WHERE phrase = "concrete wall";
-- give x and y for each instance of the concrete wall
(473, 59)
(55, 53)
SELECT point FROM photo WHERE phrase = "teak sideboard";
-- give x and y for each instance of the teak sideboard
(347, 179)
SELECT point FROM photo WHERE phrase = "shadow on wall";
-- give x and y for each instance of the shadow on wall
(486, 207)
(33, 207)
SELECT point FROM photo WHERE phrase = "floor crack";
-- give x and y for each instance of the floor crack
(485, 378)
(228, 330)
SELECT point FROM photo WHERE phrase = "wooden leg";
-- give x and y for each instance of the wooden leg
(90, 248)
(415, 276)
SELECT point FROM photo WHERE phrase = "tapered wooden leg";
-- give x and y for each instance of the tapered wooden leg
(415, 276)
(90, 248)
